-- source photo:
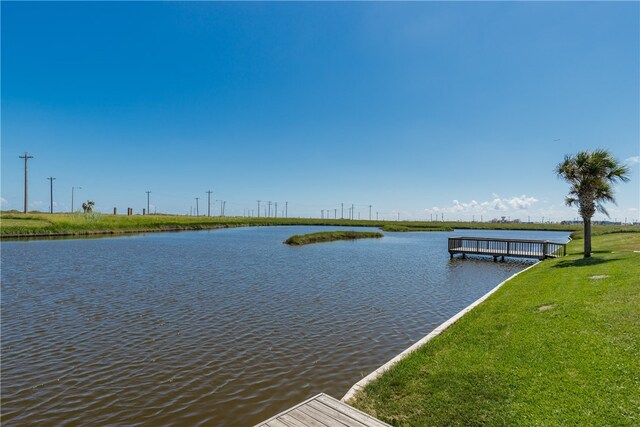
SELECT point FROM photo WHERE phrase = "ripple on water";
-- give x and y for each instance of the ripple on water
(225, 327)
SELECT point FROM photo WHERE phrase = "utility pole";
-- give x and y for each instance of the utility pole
(197, 211)
(148, 211)
(369, 212)
(352, 212)
(269, 214)
(276, 210)
(335, 214)
(25, 157)
(51, 182)
(73, 188)
(258, 208)
(286, 208)
(376, 215)
(398, 216)
(341, 210)
(209, 203)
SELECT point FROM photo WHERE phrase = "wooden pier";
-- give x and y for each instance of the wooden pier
(321, 411)
(501, 248)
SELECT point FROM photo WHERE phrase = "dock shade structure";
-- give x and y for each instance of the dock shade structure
(502, 248)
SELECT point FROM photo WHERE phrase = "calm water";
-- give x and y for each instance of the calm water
(223, 327)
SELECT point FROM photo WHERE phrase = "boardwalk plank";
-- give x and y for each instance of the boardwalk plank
(291, 421)
(322, 411)
(339, 416)
(304, 418)
(351, 412)
(323, 417)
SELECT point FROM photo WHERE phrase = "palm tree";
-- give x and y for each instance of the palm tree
(591, 175)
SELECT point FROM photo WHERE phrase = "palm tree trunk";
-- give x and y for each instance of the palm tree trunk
(587, 237)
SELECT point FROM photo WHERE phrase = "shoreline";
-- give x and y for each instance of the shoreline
(360, 385)
(18, 226)
(558, 328)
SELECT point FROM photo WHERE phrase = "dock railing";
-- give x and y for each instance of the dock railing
(540, 249)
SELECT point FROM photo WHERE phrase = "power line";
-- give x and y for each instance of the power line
(148, 192)
(209, 203)
(51, 182)
(25, 157)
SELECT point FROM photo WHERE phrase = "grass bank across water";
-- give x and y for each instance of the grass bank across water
(557, 345)
(330, 236)
(14, 224)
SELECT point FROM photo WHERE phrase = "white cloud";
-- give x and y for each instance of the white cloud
(522, 202)
(496, 204)
(3, 202)
(633, 160)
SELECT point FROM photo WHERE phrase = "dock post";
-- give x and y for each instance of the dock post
(144, 211)
(495, 258)
(115, 211)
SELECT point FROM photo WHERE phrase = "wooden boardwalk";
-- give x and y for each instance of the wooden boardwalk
(496, 248)
(322, 411)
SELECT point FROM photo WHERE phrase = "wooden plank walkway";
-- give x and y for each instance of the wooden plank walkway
(496, 248)
(322, 411)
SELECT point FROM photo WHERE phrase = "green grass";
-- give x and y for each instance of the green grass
(330, 236)
(557, 345)
(14, 224)
(411, 228)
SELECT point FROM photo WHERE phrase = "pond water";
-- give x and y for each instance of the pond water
(224, 327)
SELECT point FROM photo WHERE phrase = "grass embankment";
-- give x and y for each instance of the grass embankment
(409, 228)
(557, 345)
(330, 236)
(13, 224)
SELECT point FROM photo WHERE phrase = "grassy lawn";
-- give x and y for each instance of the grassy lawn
(329, 236)
(557, 345)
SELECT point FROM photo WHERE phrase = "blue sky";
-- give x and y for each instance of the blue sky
(421, 109)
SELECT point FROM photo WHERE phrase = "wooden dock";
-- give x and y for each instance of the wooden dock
(322, 411)
(501, 248)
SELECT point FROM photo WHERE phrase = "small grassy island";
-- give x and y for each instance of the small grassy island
(330, 236)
